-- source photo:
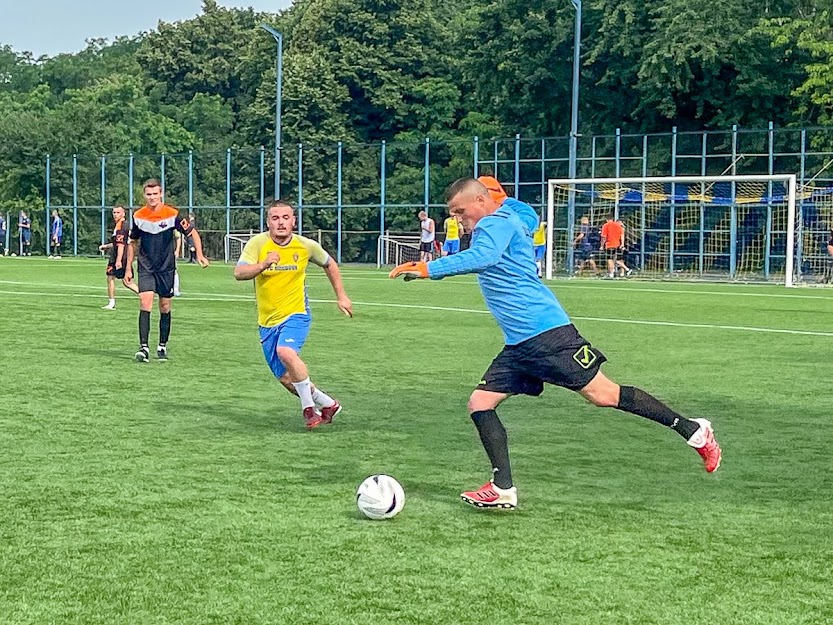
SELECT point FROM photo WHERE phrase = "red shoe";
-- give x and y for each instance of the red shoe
(706, 445)
(329, 412)
(311, 418)
(490, 496)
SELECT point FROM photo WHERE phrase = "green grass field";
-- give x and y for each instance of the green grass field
(189, 492)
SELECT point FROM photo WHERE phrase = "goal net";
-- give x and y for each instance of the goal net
(395, 250)
(724, 228)
(234, 243)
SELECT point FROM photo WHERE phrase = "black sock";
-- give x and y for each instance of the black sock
(164, 328)
(638, 402)
(144, 327)
(493, 436)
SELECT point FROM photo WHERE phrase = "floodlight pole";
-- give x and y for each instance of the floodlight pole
(278, 81)
(571, 203)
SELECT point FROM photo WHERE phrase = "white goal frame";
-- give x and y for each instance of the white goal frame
(239, 237)
(789, 179)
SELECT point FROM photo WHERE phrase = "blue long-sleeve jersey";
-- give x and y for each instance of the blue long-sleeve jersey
(57, 227)
(501, 255)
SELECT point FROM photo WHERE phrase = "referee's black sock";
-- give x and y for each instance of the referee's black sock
(164, 328)
(144, 327)
(493, 436)
(638, 402)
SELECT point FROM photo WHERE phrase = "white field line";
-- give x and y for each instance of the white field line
(672, 324)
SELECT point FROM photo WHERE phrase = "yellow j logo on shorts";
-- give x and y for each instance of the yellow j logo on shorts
(585, 356)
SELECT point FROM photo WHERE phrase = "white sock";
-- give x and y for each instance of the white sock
(304, 390)
(111, 301)
(321, 399)
(176, 282)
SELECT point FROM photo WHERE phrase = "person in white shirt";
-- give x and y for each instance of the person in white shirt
(427, 234)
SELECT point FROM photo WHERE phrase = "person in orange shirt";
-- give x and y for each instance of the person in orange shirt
(613, 244)
(152, 240)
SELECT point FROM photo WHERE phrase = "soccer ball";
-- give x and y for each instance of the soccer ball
(380, 497)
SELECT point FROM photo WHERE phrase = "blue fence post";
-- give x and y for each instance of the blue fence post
(300, 188)
(770, 169)
(703, 170)
(733, 227)
(103, 198)
(476, 156)
(799, 225)
(642, 217)
(672, 210)
(130, 182)
(382, 191)
(162, 174)
(262, 185)
(517, 166)
(190, 180)
(426, 178)
(494, 173)
(48, 203)
(74, 205)
(338, 201)
(543, 178)
(228, 192)
(618, 165)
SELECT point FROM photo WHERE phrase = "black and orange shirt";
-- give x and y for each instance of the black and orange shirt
(121, 232)
(613, 233)
(154, 229)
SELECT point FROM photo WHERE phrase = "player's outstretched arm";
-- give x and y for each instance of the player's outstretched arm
(334, 276)
(201, 259)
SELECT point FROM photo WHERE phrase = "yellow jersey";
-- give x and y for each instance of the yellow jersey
(452, 229)
(281, 290)
(540, 236)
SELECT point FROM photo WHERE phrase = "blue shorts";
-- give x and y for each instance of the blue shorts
(540, 250)
(291, 333)
(451, 246)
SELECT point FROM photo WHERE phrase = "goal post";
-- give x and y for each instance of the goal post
(234, 243)
(723, 228)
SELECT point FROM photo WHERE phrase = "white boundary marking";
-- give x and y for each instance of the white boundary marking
(213, 297)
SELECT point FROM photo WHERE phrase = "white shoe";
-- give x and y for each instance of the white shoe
(109, 307)
(50, 256)
(177, 293)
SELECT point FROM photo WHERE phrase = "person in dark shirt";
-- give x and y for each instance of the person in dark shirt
(117, 258)
(152, 236)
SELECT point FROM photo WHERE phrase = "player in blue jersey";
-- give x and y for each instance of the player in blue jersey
(541, 343)
(57, 234)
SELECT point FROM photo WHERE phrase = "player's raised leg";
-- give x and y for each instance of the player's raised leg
(499, 491)
(698, 433)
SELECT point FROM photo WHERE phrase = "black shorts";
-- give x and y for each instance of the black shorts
(426, 246)
(613, 253)
(560, 356)
(160, 282)
(112, 271)
(584, 254)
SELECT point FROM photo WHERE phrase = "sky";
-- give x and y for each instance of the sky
(55, 26)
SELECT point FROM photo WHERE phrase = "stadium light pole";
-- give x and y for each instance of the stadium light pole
(278, 80)
(571, 204)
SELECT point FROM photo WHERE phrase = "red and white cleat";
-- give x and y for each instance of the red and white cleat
(706, 445)
(490, 496)
(328, 413)
(311, 418)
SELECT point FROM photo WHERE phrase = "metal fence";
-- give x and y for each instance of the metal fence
(378, 187)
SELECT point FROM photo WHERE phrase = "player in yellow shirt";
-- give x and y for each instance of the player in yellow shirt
(277, 261)
(539, 242)
(451, 245)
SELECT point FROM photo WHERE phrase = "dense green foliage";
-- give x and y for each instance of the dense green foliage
(362, 71)
(189, 493)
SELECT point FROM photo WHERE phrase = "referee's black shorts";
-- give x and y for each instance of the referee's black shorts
(560, 356)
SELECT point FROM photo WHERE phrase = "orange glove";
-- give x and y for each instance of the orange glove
(411, 271)
(495, 190)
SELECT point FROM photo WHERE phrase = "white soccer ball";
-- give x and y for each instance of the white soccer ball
(380, 497)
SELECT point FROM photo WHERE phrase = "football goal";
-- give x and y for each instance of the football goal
(234, 243)
(721, 228)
